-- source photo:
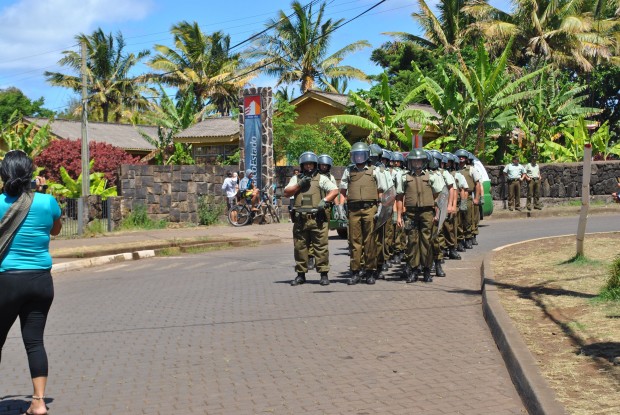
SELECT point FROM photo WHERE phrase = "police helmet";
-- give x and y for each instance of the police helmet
(375, 150)
(417, 159)
(433, 163)
(308, 157)
(446, 158)
(360, 153)
(398, 156)
(326, 159)
(461, 153)
(471, 157)
(386, 154)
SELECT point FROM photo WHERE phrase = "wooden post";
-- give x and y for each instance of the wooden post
(585, 197)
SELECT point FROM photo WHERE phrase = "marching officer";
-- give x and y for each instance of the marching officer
(420, 189)
(312, 192)
(473, 197)
(514, 174)
(533, 178)
(451, 224)
(363, 185)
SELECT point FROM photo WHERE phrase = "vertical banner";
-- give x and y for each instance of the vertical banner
(252, 134)
(417, 141)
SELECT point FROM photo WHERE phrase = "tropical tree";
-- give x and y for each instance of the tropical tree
(388, 125)
(111, 89)
(12, 99)
(203, 66)
(170, 118)
(493, 92)
(568, 33)
(15, 134)
(297, 51)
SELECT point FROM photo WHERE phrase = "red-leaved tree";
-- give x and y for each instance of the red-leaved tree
(67, 153)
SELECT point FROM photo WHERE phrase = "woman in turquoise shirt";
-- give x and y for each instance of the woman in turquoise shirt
(26, 287)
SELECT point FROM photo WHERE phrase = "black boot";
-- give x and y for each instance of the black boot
(311, 262)
(372, 275)
(324, 279)
(460, 247)
(427, 275)
(299, 279)
(474, 241)
(452, 254)
(384, 267)
(355, 278)
(468, 244)
(412, 275)
(438, 270)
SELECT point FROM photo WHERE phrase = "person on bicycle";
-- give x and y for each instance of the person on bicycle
(312, 192)
(249, 189)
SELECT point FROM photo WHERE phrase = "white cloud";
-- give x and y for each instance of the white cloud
(35, 27)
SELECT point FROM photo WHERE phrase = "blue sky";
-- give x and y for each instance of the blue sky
(33, 33)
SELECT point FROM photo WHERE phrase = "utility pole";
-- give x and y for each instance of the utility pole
(85, 155)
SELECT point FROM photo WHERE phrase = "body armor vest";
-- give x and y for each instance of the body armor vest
(418, 191)
(307, 201)
(362, 185)
(470, 180)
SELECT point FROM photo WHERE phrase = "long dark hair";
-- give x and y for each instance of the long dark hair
(16, 172)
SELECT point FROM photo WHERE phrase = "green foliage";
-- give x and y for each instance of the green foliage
(611, 290)
(17, 135)
(182, 155)
(72, 189)
(12, 100)
(575, 135)
(230, 160)
(209, 210)
(138, 218)
(290, 139)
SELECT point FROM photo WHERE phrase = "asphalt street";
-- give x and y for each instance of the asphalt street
(224, 333)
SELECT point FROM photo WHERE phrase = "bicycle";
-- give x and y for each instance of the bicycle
(265, 212)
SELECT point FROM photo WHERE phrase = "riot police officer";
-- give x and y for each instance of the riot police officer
(312, 192)
(473, 197)
(420, 189)
(363, 185)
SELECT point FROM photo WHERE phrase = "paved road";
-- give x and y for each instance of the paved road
(224, 333)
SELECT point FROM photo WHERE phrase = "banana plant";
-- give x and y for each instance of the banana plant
(72, 189)
(17, 135)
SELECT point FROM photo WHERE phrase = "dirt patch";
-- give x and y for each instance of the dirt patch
(553, 302)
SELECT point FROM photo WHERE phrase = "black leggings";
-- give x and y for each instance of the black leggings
(27, 294)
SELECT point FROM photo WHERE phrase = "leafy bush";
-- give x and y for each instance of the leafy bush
(209, 210)
(67, 154)
(73, 188)
(611, 290)
(138, 218)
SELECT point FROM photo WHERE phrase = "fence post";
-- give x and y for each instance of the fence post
(80, 216)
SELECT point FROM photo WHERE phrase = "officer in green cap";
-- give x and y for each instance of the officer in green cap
(533, 178)
(312, 192)
(514, 174)
(418, 195)
(362, 185)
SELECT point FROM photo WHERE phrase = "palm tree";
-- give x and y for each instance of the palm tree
(572, 34)
(203, 66)
(297, 51)
(111, 90)
(388, 125)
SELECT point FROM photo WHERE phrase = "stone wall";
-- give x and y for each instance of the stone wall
(562, 180)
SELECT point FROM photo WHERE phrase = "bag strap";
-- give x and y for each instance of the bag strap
(12, 220)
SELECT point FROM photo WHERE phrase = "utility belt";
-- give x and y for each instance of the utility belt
(512, 180)
(314, 214)
(363, 204)
(535, 178)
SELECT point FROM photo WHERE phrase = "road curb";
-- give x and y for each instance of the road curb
(151, 253)
(537, 395)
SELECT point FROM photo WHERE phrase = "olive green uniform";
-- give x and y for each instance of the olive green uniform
(311, 227)
(363, 187)
(457, 235)
(439, 240)
(419, 200)
(532, 171)
(400, 238)
(382, 246)
(513, 173)
(466, 216)
(448, 224)
(477, 176)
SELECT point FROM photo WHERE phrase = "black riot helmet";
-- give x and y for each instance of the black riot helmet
(417, 159)
(308, 157)
(359, 153)
(399, 158)
(325, 160)
(375, 153)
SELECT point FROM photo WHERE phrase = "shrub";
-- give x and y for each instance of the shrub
(611, 290)
(138, 218)
(209, 210)
(67, 153)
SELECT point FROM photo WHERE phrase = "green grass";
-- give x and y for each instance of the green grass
(580, 261)
(139, 219)
(611, 290)
(577, 203)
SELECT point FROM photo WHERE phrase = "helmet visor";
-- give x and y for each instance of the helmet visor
(359, 157)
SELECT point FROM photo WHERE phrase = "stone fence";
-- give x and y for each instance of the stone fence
(171, 192)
